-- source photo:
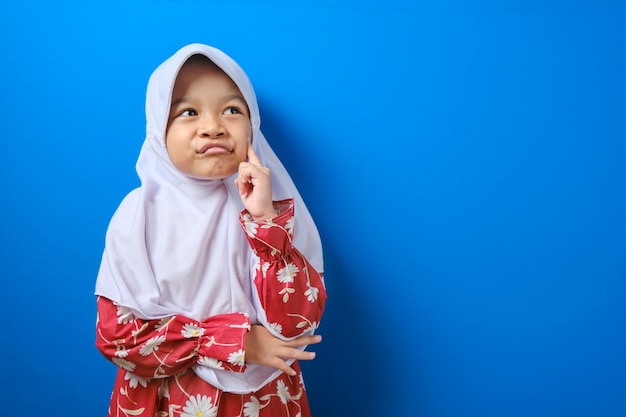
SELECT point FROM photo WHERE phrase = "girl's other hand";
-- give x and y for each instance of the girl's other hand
(263, 348)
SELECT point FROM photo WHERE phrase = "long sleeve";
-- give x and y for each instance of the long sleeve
(290, 290)
(165, 347)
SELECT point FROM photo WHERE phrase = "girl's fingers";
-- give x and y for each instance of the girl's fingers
(292, 354)
(282, 365)
(242, 182)
(305, 340)
(253, 157)
(263, 348)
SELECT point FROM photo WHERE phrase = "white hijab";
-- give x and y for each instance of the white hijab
(175, 246)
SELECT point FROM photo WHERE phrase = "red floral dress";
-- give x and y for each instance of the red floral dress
(155, 356)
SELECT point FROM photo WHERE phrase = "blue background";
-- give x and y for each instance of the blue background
(465, 163)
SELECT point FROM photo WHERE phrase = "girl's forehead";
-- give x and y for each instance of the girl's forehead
(201, 80)
(193, 70)
(198, 64)
(163, 81)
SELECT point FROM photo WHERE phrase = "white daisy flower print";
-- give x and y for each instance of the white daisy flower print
(286, 275)
(164, 389)
(163, 323)
(121, 352)
(135, 380)
(151, 345)
(268, 224)
(192, 330)
(283, 392)
(237, 358)
(277, 327)
(210, 362)
(311, 294)
(124, 364)
(252, 407)
(199, 406)
(250, 228)
(289, 226)
(124, 315)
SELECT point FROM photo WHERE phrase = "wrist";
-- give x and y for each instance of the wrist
(269, 215)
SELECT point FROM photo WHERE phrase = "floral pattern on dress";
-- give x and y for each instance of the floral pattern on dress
(297, 294)
(154, 357)
(199, 406)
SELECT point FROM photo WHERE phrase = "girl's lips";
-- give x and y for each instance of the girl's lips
(213, 149)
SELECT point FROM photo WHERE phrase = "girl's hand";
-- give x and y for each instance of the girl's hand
(263, 348)
(255, 187)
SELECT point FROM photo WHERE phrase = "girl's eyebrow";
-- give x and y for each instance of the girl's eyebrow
(178, 101)
(236, 97)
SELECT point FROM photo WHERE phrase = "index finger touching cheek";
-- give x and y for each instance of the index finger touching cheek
(252, 156)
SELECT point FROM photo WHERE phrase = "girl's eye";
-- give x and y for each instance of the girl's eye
(232, 110)
(189, 112)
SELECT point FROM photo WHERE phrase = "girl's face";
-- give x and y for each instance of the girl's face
(209, 129)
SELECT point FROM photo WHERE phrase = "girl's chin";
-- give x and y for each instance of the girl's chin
(213, 176)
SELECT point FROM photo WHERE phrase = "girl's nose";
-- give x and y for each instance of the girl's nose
(211, 127)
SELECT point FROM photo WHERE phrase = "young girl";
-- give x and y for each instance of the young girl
(210, 286)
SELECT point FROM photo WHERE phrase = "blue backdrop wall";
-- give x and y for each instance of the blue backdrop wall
(466, 165)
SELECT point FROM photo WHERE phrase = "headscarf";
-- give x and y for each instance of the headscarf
(175, 246)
